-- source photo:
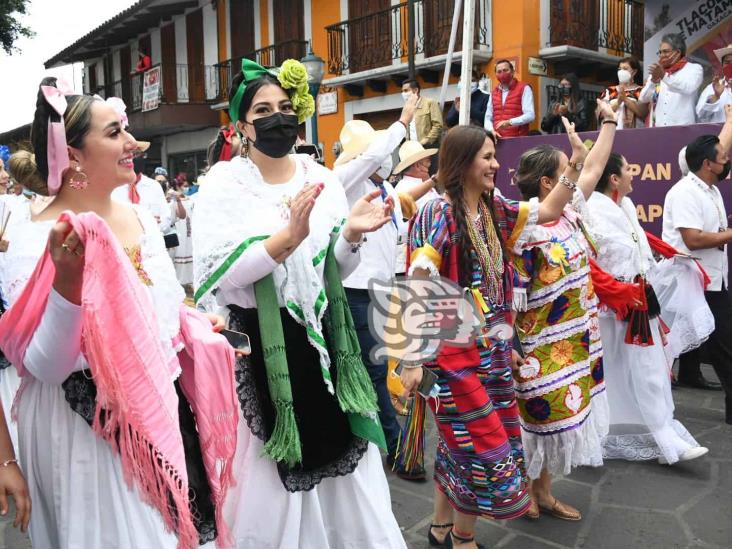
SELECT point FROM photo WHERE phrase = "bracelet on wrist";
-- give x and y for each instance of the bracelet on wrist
(609, 121)
(355, 246)
(9, 462)
(571, 185)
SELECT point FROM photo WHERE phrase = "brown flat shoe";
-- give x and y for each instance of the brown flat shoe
(533, 512)
(562, 511)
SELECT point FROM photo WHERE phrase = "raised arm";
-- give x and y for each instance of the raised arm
(725, 136)
(594, 164)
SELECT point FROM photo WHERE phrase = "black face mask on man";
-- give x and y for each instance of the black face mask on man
(721, 176)
(276, 134)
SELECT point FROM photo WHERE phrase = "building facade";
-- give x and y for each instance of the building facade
(196, 46)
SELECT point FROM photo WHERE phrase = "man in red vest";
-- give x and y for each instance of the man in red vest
(511, 108)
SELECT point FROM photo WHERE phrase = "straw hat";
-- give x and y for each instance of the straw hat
(721, 52)
(355, 138)
(143, 146)
(411, 152)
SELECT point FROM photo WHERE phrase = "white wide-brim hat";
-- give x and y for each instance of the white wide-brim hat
(411, 152)
(722, 52)
(356, 136)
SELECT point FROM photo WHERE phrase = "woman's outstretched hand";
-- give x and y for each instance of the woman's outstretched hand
(367, 217)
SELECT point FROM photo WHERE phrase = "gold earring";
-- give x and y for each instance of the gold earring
(78, 180)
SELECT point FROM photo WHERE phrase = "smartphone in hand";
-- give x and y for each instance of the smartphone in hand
(238, 340)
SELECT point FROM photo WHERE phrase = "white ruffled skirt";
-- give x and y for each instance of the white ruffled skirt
(638, 381)
(559, 453)
(80, 498)
(345, 512)
(679, 288)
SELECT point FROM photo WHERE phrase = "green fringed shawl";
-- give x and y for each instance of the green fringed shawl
(354, 390)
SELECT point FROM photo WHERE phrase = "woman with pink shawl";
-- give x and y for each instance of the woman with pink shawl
(126, 412)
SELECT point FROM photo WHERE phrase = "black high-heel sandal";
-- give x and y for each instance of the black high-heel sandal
(431, 537)
(452, 535)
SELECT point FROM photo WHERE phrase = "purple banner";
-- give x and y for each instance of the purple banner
(651, 152)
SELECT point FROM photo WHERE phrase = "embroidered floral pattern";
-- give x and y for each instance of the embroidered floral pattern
(530, 368)
(135, 255)
(561, 352)
(538, 408)
(573, 398)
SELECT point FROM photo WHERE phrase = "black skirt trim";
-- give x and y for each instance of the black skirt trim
(329, 448)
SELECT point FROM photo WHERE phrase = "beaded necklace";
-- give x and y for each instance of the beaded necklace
(488, 252)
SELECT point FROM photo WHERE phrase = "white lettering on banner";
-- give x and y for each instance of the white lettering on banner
(704, 17)
(693, 24)
(151, 89)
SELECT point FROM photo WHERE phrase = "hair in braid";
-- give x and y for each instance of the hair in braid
(457, 153)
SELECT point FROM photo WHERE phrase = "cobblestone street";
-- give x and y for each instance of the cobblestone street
(625, 505)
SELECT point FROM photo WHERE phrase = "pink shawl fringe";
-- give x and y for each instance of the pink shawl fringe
(134, 380)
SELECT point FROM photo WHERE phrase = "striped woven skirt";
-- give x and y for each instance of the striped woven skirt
(480, 460)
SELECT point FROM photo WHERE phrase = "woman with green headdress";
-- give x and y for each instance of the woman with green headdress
(272, 238)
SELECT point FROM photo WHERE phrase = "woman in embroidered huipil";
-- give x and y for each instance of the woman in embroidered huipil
(467, 237)
(272, 238)
(560, 386)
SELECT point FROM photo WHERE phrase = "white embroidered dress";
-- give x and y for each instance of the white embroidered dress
(234, 209)
(80, 497)
(638, 379)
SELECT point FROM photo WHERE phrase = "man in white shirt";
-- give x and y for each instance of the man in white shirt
(710, 107)
(147, 193)
(677, 82)
(511, 108)
(695, 222)
(365, 163)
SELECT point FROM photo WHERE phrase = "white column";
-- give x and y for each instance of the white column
(181, 58)
(156, 54)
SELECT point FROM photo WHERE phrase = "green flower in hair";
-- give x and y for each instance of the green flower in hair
(293, 74)
(303, 104)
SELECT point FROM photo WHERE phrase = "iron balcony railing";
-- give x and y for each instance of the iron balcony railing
(590, 97)
(616, 25)
(179, 83)
(377, 39)
(270, 56)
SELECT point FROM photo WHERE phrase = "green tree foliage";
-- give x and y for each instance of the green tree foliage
(10, 27)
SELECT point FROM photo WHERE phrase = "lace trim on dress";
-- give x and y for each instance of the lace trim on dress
(81, 394)
(293, 481)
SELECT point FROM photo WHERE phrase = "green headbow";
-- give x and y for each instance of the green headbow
(251, 71)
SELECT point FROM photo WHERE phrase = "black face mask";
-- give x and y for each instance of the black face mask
(721, 176)
(564, 91)
(276, 134)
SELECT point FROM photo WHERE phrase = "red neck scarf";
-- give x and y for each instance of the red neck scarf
(132, 193)
(676, 67)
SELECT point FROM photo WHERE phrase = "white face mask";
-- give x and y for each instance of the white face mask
(624, 76)
(406, 95)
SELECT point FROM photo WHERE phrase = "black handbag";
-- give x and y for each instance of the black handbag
(171, 240)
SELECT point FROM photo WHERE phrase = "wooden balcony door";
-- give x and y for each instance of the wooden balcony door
(167, 55)
(369, 35)
(289, 33)
(241, 17)
(125, 63)
(195, 67)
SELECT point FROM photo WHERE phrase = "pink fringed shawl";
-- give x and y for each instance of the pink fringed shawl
(134, 380)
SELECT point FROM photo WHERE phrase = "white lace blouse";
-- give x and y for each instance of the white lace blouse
(54, 351)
